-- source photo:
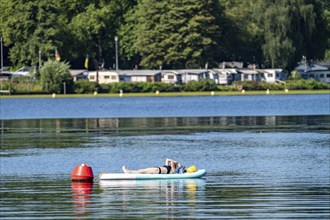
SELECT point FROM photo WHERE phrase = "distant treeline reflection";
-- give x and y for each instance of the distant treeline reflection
(169, 124)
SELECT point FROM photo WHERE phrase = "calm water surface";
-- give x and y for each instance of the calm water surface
(258, 105)
(259, 166)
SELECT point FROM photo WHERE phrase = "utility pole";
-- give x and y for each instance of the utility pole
(39, 59)
(9, 80)
(1, 56)
(116, 40)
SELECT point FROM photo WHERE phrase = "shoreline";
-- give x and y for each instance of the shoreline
(171, 94)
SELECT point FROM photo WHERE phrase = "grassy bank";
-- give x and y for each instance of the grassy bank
(168, 94)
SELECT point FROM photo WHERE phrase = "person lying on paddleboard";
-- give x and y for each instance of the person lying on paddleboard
(170, 167)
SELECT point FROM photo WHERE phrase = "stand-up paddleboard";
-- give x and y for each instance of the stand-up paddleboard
(124, 176)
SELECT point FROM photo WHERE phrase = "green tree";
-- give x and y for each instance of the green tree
(128, 36)
(287, 27)
(318, 43)
(29, 27)
(242, 36)
(324, 26)
(95, 28)
(55, 75)
(275, 32)
(176, 34)
(84, 87)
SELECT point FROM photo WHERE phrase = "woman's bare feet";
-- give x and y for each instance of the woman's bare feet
(125, 170)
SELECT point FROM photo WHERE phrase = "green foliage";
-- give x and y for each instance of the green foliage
(255, 86)
(84, 87)
(275, 33)
(306, 84)
(128, 87)
(227, 88)
(95, 29)
(22, 84)
(285, 25)
(204, 85)
(327, 55)
(128, 35)
(104, 88)
(29, 27)
(326, 22)
(26, 87)
(52, 76)
(144, 87)
(242, 36)
(294, 83)
(180, 34)
(295, 76)
(318, 42)
(171, 34)
(192, 86)
(164, 87)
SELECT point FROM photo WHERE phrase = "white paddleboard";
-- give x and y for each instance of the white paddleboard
(124, 176)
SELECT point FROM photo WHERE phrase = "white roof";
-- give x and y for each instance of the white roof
(192, 71)
(248, 71)
(155, 72)
(77, 72)
(24, 71)
(311, 67)
(271, 70)
(139, 72)
(226, 70)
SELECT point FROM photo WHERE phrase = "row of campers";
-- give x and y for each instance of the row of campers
(220, 76)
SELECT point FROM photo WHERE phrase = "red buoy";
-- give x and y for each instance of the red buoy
(82, 173)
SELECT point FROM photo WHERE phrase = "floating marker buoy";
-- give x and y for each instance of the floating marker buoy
(82, 173)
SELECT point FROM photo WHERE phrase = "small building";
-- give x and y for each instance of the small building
(324, 63)
(314, 71)
(103, 76)
(250, 75)
(139, 75)
(79, 74)
(186, 75)
(226, 76)
(273, 75)
(24, 71)
(169, 76)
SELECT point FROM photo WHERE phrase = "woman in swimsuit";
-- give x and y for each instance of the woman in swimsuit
(169, 168)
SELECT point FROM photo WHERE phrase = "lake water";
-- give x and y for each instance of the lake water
(258, 105)
(267, 157)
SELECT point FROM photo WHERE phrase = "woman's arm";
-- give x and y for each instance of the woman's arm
(170, 161)
(174, 164)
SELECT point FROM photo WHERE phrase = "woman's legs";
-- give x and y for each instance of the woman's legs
(151, 170)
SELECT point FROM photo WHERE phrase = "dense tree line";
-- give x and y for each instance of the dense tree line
(167, 34)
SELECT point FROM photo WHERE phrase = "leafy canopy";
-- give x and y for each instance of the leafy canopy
(53, 75)
(169, 33)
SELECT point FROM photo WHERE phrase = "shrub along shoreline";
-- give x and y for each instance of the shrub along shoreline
(171, 94)
(84, 88)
